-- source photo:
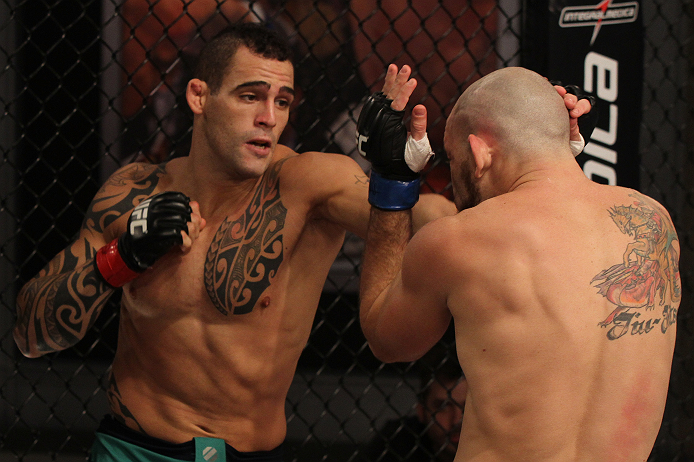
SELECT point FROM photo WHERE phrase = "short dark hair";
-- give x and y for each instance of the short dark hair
(218, 52)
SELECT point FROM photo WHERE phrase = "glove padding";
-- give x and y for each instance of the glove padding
(154, 227)
(395, 157)
(381, 138)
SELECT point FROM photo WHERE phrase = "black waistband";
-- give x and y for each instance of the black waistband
(182, 451)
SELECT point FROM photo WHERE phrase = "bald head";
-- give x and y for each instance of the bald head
(518, 108)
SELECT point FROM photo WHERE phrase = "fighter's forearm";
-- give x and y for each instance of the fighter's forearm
(388, 235)
(56, 308)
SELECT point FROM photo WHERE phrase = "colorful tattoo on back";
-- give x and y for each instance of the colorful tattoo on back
(648, 274)
(245, 253)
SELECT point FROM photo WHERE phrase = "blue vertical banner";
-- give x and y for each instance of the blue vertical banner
(599, 47)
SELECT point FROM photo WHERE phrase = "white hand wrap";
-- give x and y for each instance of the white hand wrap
(577, 146)
(418, 153)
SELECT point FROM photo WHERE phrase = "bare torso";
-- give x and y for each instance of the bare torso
(566, 334)
(209, 340)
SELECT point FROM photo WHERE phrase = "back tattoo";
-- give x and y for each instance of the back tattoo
(648, 273)
(245, 253)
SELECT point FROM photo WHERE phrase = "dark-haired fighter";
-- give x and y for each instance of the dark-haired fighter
(219, 293)
(563, 292)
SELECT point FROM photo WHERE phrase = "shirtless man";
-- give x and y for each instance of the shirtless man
(563, 292)
(220, 292)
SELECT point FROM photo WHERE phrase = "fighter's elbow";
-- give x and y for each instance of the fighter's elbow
(401, 345)
(29, 348)
(384, 355)
(20, 339)
(392, 352)
(383, 346)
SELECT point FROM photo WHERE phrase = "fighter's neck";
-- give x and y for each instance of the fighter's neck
(212, 190)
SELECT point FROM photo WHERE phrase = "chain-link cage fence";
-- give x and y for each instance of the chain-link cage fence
(87, 86)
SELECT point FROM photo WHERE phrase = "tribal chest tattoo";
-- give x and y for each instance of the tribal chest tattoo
(648, 274)
(245, 253)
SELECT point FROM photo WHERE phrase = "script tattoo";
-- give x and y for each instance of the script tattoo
(119, 410)
(649, 270)
(245, 253)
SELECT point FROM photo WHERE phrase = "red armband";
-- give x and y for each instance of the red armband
(110, 265)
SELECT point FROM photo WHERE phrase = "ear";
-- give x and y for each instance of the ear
(196, 95)
(481, 153)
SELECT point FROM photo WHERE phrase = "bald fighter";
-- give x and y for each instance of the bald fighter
(563, 292)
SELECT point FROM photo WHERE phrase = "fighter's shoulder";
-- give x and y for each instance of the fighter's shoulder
(315, 165)
(135, 173)
(640, 202)
(442, 234)
(477, 228)
(628, 197)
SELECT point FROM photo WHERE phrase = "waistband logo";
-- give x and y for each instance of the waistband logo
(604, 13)
(210, 454)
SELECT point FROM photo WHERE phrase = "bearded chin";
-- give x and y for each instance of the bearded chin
(471, 194)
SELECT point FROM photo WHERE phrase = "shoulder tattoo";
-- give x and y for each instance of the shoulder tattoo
(648, 274)
(121, 193)
(246, 252)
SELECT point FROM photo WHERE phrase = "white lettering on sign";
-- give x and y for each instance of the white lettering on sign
(601, 76)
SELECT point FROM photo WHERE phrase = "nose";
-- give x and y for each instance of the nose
(266, 116)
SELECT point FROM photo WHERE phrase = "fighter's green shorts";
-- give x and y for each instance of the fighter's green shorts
(115, 442)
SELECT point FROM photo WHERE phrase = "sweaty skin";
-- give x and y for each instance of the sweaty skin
(210, 335)
(563, 292)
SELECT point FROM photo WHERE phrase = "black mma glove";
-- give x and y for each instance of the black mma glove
(154, 227)
(586, 122)
(381, 139)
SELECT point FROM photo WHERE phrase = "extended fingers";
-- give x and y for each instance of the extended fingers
(195, 225)
(399, 86)
(391, 75)
(580, 108)
(570, 100)
(403, 96)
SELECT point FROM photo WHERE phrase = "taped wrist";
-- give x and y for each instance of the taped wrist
(417, 153)
(577, 146)
(109, 264)
(389, 194)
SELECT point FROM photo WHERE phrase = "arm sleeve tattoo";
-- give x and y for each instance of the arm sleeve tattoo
(56, 308)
